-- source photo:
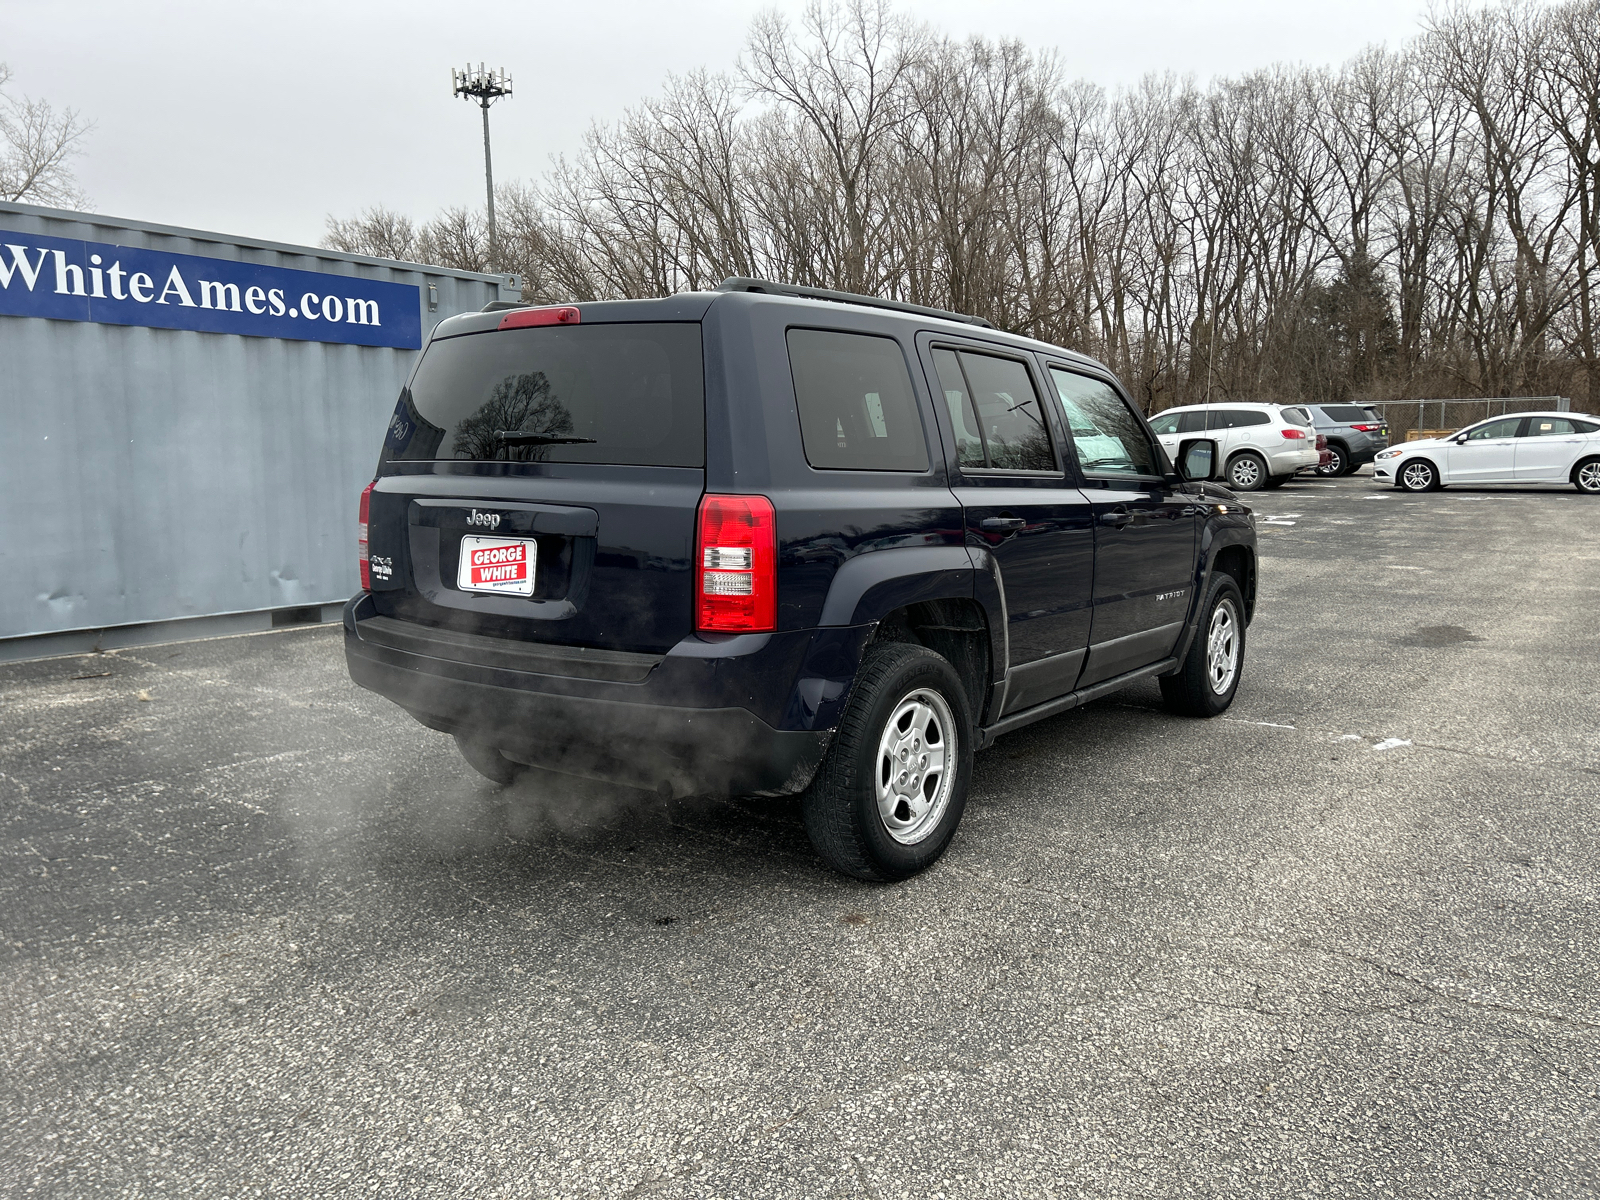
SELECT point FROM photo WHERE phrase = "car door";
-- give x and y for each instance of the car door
(1546, 449)
(1145, 526)
(1026, 519)
(1487, 454)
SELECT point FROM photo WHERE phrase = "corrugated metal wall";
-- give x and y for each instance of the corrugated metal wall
(152, 474)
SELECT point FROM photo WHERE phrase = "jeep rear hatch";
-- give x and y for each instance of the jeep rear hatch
(541, 484)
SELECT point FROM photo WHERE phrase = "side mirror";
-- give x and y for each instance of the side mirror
(1197, 459)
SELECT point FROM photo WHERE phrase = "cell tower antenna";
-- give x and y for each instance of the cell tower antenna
(485, 87)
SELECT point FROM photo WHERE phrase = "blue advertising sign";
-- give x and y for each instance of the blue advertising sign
(123, 285)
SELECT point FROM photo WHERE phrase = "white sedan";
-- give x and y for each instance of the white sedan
(1541, 447)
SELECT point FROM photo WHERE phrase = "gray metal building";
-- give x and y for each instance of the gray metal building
(181, 446)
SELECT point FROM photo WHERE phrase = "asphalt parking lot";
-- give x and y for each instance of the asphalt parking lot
(265, 935)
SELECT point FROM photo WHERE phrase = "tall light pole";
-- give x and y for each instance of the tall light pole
(485, 87)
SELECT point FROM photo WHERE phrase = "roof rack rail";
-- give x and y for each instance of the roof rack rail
(737, 283)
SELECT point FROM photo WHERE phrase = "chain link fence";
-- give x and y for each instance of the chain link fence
(1412, 419)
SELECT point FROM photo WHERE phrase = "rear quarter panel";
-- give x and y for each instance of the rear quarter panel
(825, 518)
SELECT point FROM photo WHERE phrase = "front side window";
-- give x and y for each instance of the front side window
(994, 411)
(1107, 435)
(1193, 421)
(857, 409)
(1495, 429)
(1164, 423)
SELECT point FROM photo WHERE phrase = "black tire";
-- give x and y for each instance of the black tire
(1338, 465)
(1586, 476)
(1246, 472)
(489, 762)
(1192, 690)
(1417, 475)
(841, 808)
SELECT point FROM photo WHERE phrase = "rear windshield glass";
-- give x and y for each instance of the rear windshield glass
(1296, 416)
(857, 409)
(627, 394)
(1346, 414)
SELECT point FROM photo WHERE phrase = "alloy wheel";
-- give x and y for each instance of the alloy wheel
(1589, 476)
(1222, 648)
(916, 760)
(1245, 473)
(1418, 477)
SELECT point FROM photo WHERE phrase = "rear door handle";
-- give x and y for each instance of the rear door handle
(1116, 516)
(1001, 524)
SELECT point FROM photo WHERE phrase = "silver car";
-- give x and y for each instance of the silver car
(1262, 445)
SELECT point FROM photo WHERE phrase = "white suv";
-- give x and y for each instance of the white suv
(1262, 445)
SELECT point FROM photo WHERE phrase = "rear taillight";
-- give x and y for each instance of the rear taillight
(1366, 428)
(1293, 434)
(522, 318)
(736, 565)
(361, 537)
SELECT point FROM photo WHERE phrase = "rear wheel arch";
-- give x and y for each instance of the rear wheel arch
(957, 630)
(1584, 471)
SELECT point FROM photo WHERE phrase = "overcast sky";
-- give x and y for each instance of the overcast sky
(260, 119)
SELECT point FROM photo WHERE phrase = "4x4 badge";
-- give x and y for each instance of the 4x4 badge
(486, 520)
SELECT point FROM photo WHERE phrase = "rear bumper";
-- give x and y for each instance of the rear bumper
(693, 722)
(1287, 462)
(1364, 448)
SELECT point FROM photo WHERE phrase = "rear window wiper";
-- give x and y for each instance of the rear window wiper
(519, 437)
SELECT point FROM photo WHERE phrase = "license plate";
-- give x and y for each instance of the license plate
(497, 565)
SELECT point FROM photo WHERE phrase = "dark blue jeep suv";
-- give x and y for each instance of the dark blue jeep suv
(775, 540)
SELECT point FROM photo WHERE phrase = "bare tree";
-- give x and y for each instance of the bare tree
(39, 143)
(1419, 220)
(377, 231)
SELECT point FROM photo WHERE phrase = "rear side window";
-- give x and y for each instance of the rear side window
(1585, 427)
(994, 411)
(1236, 418)
(857, 409)
(1346, 414)
(1107, 435)
(625, 394)
(1551, 427)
